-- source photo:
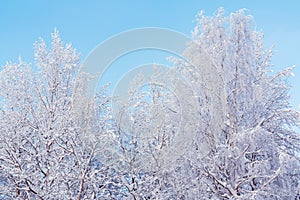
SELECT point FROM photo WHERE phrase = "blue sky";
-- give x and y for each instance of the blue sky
(87, 23)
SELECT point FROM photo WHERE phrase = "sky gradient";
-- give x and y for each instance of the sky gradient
(87, 23)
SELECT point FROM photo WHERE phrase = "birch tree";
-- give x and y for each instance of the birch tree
(48, 137)
(244, 114)
(257, 156)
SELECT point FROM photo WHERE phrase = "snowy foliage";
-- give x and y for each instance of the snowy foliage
(244, 120)
(257, 153)
(218, 125)
(45, 152)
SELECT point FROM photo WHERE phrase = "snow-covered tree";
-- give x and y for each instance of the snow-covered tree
(256, 155)
(243, 143)
(48, 137)
(218, 125)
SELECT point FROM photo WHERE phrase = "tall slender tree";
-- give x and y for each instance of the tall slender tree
(256, 155)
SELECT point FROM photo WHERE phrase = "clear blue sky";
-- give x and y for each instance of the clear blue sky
(87, 23)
